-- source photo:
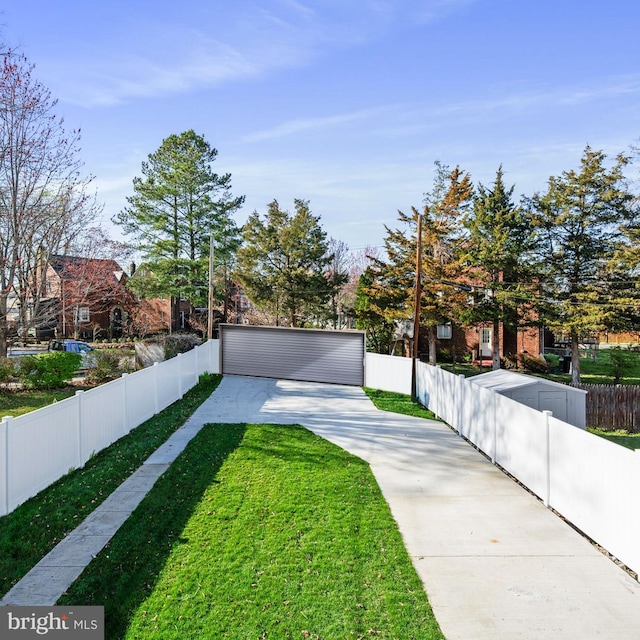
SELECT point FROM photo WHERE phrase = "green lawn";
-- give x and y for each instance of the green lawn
(398, 403)
(16, 403)
(29, 532)
(259, 531)
(623, 438)
(596, 368)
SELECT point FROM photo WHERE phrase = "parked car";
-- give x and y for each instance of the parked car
(75, 346)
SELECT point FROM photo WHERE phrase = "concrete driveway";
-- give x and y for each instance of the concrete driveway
(496, 564)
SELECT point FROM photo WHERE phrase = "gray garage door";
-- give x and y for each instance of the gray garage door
(293, 354)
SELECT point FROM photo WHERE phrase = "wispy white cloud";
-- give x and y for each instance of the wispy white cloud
(416, 118)
(405, 120)
(252, 39)
(301, 125)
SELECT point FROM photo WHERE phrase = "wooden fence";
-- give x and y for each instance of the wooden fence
(612, 407)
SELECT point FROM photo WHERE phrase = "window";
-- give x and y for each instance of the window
(82, 314)
(444, 331)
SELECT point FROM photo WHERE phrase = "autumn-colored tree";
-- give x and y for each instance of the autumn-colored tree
(392, 291)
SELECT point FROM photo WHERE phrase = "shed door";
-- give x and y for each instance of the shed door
(527, 396)
(555, 401)
(293, 354)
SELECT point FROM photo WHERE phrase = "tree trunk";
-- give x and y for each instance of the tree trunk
(575, 358)
(4, 330)
(495, 347)
(433, 345)
(175, 311)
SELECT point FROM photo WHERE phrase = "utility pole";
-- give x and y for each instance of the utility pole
(416, 309)
(210, 300)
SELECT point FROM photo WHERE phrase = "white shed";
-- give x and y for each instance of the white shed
(566, 403)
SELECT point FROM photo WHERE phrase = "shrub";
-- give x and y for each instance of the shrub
(444, 355)
(509, 361)
(535, 364)
(7, 369)
(525, 362)
(173, 345)
(49, 370)
(107, 367)
(620, 363)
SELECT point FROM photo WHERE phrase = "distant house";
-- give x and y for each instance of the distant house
(478, 340)
(85, 297)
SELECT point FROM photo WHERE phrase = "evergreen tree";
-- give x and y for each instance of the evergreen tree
(284, 263)
(379, 330)
(499, 243)
(578, 223)
(392, 292)
(177, 204)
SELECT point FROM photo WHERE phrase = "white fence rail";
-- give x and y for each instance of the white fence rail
(593, 483)
(39, 447)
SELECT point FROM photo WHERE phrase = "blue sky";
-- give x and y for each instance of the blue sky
(346, 104)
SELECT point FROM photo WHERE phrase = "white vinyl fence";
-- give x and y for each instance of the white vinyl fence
(39, 447)
(591, 482)
(389, 373)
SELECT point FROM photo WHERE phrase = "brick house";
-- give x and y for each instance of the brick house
(86, 297)
(477, 340)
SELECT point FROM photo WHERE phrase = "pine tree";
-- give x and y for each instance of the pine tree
(498, 247)
(284, 263)
(379, 330)
(177, 204)
(578, 223)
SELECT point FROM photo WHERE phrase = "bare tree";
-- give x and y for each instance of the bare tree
(355, 264)
(44, 201)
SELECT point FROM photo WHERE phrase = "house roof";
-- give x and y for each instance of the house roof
(66, 265)
(502, 380)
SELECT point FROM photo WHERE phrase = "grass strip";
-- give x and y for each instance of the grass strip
(619, 436)
(17, 403)
(29, 532)
(259, 531)
(398, 403)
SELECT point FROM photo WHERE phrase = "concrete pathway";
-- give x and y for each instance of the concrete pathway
(496, 564)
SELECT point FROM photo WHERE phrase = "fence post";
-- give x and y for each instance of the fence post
(180, 381)
(156, 391)
(436, 394)
(547, 457)
(4, 434)
(125, 412)
(461, 391)
(494, 428)
(79, 396)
